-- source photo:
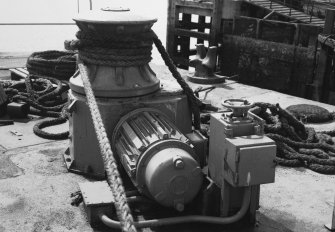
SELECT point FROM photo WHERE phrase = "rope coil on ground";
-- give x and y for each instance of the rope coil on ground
(57, 64)
(297, 145)
(46, 70)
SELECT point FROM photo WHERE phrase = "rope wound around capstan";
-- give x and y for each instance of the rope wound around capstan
(113, 50)
(125, 50)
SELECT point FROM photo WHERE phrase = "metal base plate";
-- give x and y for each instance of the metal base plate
(71, 167)
(330, 227)
(216, 79)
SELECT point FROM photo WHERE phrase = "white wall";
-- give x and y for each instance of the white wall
(38, 38)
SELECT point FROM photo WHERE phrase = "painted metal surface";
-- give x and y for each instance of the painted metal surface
(238, 154)
(158, 158)
(97, 197)
(118, 81)
(108, 81)
(84, 151)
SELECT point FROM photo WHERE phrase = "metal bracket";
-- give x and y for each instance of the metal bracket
(72, 106)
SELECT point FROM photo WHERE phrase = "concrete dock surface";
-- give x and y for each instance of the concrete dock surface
(35, 185)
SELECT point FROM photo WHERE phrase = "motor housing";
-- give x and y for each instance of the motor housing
(158, 158)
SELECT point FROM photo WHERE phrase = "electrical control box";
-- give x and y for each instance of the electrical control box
(242, 160)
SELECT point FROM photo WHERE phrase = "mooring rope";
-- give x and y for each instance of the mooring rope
(297, 145)
(112, 174)
(195, 103)
(46, 69)
(130, 50)
(57, 64)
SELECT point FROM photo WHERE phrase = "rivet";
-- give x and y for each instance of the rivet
(179, 207)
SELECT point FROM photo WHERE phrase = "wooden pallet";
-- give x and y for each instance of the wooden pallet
(18, 73)
(287, 12)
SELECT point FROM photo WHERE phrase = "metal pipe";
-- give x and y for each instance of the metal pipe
(186, 219)
(132, 193)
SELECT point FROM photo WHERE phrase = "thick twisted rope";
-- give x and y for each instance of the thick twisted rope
(130, 50)
(113, 176)
(195, 103)
(45, 69)
(57, 64)
(297, 145)
(112, 50)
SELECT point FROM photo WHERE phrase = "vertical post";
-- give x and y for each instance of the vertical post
(290, 6)
(185, 42)
(216, 22)
(312, 12)
(91, 5)
(172, 18)
(320, 76)
(331, 225)
(294, 83)
(201, 27)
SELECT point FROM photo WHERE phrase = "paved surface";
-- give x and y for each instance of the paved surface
(35, 186)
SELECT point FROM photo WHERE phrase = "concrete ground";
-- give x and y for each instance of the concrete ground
(35, 186)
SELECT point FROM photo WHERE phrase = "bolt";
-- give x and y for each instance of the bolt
(179, 207)
(178, 162)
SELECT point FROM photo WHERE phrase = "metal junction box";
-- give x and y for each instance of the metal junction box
(97, 198)
(240, 160)
(249, 160)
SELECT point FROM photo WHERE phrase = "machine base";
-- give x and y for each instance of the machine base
(98, 199)
(330, 227)
(72, 167)
(216, 79)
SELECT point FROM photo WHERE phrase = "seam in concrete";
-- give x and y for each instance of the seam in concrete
(2, 148)
(32, 145)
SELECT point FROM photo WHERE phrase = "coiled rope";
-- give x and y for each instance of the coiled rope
(57, 64)
(297, 145)
(130, 50)
(46, 70)
(54, 66)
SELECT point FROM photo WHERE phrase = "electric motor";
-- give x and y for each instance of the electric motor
(158, 158)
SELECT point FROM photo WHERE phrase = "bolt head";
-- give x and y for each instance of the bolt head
(179, 164)
(179, 207)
